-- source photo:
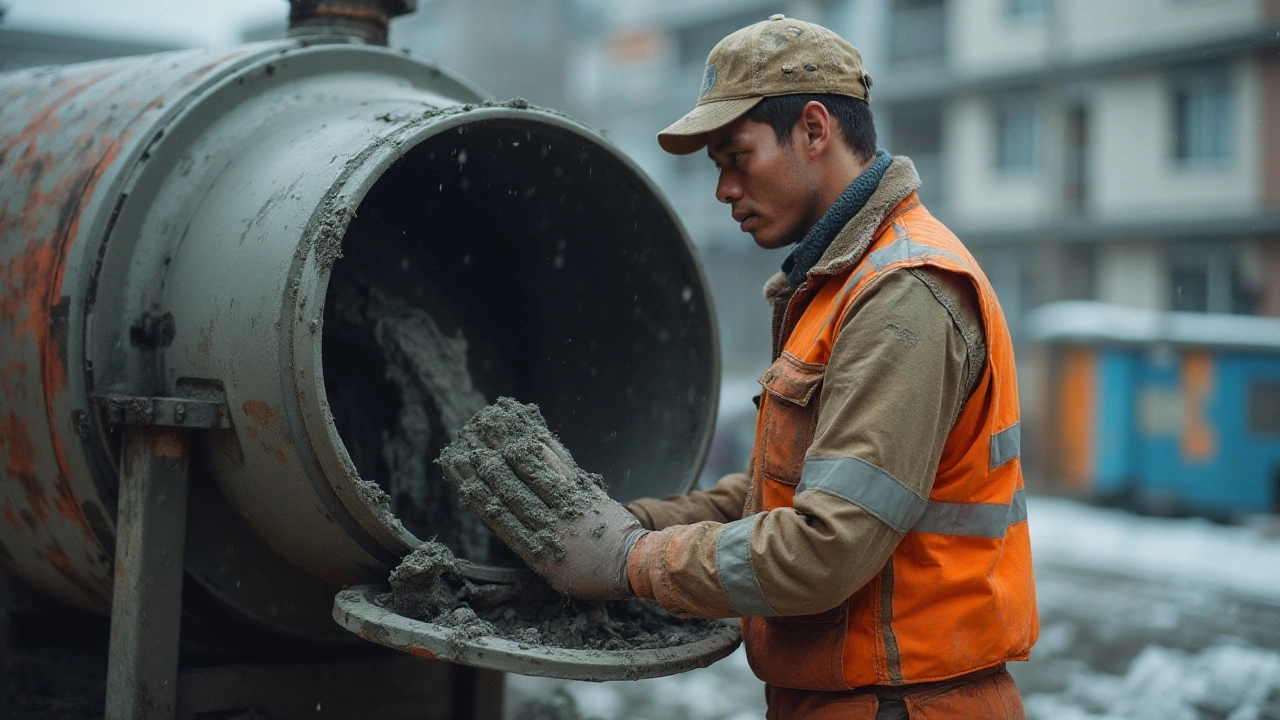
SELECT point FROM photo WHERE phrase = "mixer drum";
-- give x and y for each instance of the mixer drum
(191, 225)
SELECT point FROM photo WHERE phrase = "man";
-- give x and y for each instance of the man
(877, 549)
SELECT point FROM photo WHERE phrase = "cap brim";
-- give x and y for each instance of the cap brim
(689, 133)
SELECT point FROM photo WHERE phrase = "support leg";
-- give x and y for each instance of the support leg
(142, 668)
(6, 610)
(488, 693)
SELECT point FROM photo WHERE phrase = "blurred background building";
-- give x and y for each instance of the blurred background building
(1127, 152)
(31, 48)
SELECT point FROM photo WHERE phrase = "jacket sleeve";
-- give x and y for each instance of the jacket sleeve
(899, 372)
(722, 503)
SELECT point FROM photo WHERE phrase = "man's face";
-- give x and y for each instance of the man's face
(771, 187)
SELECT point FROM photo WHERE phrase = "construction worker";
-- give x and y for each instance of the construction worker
(877, 548)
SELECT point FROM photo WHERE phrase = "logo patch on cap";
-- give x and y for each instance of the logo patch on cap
(709, 78)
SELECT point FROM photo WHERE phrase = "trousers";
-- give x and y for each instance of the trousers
(984, 695)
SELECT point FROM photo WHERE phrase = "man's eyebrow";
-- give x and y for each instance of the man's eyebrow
(720, 146)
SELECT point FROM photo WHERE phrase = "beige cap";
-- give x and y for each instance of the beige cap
(779, 56)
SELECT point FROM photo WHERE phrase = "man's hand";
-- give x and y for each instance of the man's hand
(521, 482)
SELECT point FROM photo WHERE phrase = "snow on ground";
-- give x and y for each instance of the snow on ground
(1241, 558)
(1141, 619)
(1226, 680)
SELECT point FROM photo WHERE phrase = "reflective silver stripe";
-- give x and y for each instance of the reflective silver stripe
(892, 655)
(986, 520)
(1006, 445)
(737, 576)
(851, 284)
(904, 249)
(866, 486)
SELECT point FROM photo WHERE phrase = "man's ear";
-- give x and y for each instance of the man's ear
(817, 127)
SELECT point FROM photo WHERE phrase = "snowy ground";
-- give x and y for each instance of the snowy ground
(1141, 619)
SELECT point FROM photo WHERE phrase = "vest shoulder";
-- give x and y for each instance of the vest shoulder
(921, 225)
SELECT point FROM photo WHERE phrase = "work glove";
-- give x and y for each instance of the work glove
(513, 474)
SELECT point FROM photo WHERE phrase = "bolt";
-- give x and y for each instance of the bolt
(180, 412)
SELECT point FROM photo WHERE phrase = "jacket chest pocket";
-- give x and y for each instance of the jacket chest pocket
(790, 414)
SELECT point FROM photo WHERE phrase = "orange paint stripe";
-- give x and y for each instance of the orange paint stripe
(1199, 442)
(1077, 393)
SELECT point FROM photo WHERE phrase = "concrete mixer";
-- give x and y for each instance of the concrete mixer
(191, 434)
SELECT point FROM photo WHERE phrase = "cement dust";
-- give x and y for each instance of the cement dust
(427, 370)
(429, 586)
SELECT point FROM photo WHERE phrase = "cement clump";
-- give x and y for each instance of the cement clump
(503, 431)
(429, 586)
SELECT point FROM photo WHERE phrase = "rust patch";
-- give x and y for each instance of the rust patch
(11, 518)
(58, 171)
(260, 411)
(21, 466)
(170, 444)
(421, 652)
(195, 75)
(59, 561)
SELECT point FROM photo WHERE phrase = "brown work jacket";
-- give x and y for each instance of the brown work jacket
(880, 395)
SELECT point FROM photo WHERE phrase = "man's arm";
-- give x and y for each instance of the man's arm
(903, 364)
(722, 504)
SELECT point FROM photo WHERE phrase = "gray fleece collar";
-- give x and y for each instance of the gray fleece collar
(809, 250)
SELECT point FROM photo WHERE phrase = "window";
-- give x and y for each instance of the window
(915, 130)
(1075, 186)
(1190, 286)
(1017, 133)
(1202, 107)
(917, 32)
(1026, 9)
(1206, 277)
(1264, 407)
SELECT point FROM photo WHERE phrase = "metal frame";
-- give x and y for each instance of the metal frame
(6, 610)
(143, 678)
(151, 529)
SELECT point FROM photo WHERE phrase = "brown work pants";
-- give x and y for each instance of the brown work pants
(984, 695)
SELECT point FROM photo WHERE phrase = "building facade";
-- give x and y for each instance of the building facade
(1120, 151)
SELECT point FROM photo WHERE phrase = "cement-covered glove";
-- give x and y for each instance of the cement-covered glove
(522, 483)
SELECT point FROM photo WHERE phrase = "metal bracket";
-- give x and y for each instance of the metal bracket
(172, 412)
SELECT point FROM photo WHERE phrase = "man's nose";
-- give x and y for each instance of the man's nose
(727, 188)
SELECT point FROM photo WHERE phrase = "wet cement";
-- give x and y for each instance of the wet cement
(510, 430)
(429, 586)
(427, 373)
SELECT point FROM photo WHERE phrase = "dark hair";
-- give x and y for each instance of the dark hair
(851, 114)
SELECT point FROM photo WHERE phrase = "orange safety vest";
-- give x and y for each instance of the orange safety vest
(957, 595)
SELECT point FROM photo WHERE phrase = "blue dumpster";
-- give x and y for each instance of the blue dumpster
(1177, 412)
